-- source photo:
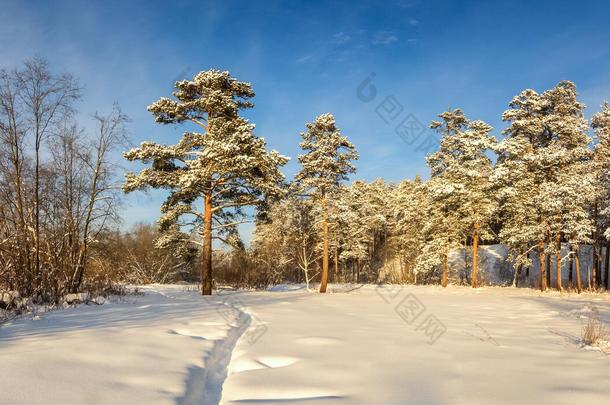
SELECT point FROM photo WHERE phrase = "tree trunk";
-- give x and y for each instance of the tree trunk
(518, 271)
(77, 278)
(558, 260)
(548, 269)
(517, 275)
(577, 261)
(542, 259)
(527, 269)
(571, 272)
(598, 270)
(444, 274)
(17, 163)
(306, 266)
(206, 270)
(39, 277)
(607, 264)
(336, 263)
(595, 248)
(475, 257)
(595, 273)
(324, 280)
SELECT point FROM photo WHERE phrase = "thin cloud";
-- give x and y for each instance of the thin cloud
(341, 38)
(384, 38)
(305, 58)
(413, 21)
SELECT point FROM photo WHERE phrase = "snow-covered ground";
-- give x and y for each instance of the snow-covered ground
(360, 345)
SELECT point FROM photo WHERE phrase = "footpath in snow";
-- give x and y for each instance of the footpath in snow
(168, 346)
(368, 345)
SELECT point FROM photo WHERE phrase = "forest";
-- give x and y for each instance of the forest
(540, 186)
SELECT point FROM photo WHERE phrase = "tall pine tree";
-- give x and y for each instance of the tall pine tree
(408, 205)
(601, 125)
(212, 173)
(460, 183)
(540, 172)
(326, 163)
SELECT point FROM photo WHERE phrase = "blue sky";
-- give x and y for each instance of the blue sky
(306, 58)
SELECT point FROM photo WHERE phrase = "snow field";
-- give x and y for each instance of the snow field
(502, 345)
(355, 345)
(146, 350)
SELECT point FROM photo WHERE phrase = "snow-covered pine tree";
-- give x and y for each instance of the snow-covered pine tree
(460, 179)
(339, 218)
(601, 125)
(408, 205)
(442, 230)
(374, 209)
(570, 191)
(516, 191)
(221, 168)
(350, 228)
(326, 163)
(362, 211)
(576, 223)
(541, 173)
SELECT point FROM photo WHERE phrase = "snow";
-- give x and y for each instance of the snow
(76, 297)
(600, 346)
(502, 345)
(286, 287)
(494, 266)
(356, 345)
(140, 350)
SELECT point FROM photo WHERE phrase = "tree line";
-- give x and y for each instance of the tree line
(544, 185)
(542, 189)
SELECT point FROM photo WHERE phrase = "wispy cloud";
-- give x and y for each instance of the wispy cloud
(384, 38)
(413, 21)
(305, 58)
(341, 46)
(336, 48)
(341, 38)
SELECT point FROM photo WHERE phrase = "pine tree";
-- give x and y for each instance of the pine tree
(326, 163)
(351, 227)
(601, 125)
(409, 203)
(442, 230)
(517, 190)
(570, 192)
(460, 183)
(222, 168)
(540, 172)
(362, 210)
